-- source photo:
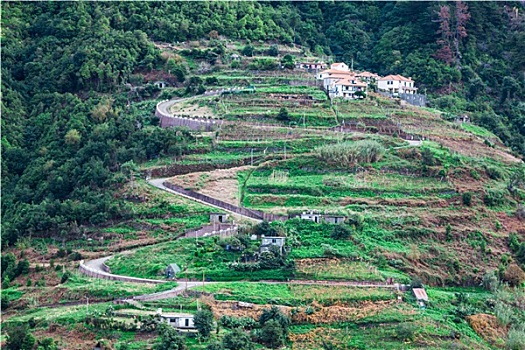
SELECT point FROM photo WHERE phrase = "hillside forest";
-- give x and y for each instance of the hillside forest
(68, 127)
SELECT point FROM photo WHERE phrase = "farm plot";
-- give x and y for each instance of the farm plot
(335, 269)
(297, 188)
(295, 294)
(306, 106)
(198, 258)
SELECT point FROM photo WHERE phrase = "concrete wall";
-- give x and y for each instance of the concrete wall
(255, 214)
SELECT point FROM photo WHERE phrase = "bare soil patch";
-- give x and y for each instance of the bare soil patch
(487, 327)
(221, 184)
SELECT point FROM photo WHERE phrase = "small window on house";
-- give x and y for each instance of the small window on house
(173, 320)
(274, 240)
(186, 323)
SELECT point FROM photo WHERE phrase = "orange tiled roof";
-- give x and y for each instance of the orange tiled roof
(348, 82)
(335, 71)
(396, 77)
(366, 74)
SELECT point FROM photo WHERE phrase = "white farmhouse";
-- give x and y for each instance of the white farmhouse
(347, 87)
(340, 66)
(179, 321)
(269, 241)
(396, 84)
(367, 76)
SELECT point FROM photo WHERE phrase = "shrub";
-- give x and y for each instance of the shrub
(283, 115)
(514, 275)
(248, 51)
(416, 283)
(19, 338)
(349, 153)
(262, 64)
(448, 232)
(427, 158)
(288, 61)
(237, 322)
(405, 331)
(170, 339)
(341, 232)
(490, 281)
(503, 314)
(271, 315)
(467, 198)
(65, 277)
(211, 80)
(494, 197)
(273, 51)
(264, 228)
(23, 267)
(215, 346)
(516, 339)
(74, 256)
(47, 344)
(329, 251)
(493, 173)
(270, 260)
(61, 253)
(237, 340)
(4, 301)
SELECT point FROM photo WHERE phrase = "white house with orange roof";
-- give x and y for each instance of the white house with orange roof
(347, 87)
(340, 66)
(367, 76)
(396, 84)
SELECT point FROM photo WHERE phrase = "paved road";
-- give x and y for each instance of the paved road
(97, 264)
(165, 106)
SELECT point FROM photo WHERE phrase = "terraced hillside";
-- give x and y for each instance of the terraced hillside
(427, 202)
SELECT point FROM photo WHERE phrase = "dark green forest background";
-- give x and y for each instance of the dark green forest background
(69, 132)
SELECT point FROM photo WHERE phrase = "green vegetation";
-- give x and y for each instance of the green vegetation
(295, 295)
(80, 136)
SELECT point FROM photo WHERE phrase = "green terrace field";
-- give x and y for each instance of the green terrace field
(308, 182)
(295, 294)
(340, 259)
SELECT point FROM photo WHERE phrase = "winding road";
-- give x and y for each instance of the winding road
(96, 268)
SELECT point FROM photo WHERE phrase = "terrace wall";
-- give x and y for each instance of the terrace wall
(255, 214)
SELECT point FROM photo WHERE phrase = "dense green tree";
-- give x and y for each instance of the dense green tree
(272, 334)
(237, 340)
(274, 314)
(19, 338)
(203, 321)
(169, 339)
